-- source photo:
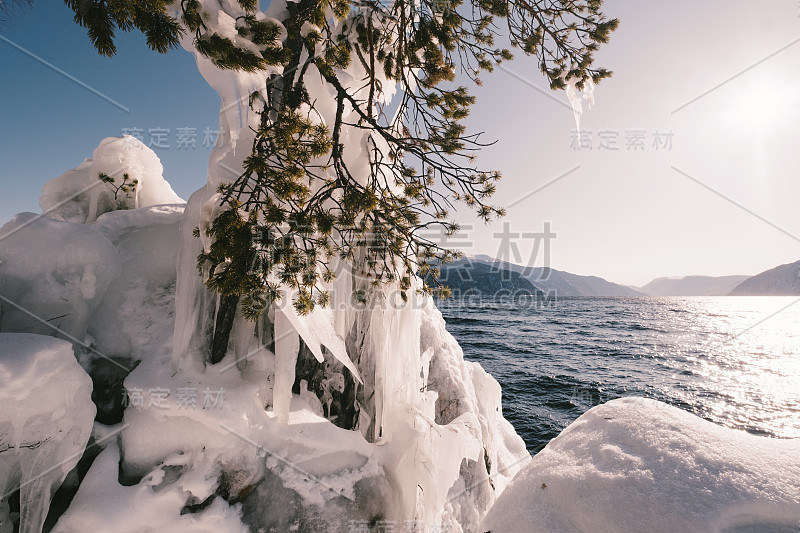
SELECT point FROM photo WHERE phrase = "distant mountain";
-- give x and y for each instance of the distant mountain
(552, 281)
(782, 280)
(693, 286)
(472, 278)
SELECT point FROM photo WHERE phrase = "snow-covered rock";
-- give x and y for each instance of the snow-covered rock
(53, 274)
(635, 465)
(463, 388)
(153, 505)
(107, 287)
(204, 439)
(45, 421)
(79, 195)
(128, 322)
(194, 466)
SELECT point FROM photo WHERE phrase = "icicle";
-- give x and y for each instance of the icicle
(287, 346)
(317, 330)
(576, 98)
(364, 420)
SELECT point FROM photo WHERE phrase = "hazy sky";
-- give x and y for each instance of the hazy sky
(716, 83)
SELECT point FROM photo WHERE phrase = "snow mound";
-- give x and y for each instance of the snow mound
(79, 195)
(52, 274)
(45, 422)
(635, 465)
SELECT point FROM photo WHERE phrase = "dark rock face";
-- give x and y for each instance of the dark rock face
(108, 391)
(271, 506)
(332, 383)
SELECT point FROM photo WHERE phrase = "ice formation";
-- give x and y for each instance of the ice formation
(357, 414)
(52, 275)
(147, 245)
(351, 415)
(577, 97)
(79, 195)
(389, 371)
(45, 422)
(635, 465)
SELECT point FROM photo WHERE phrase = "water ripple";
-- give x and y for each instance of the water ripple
(700, 354)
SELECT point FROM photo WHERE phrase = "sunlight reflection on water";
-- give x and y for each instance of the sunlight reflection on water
(756, 363)
(731, 360)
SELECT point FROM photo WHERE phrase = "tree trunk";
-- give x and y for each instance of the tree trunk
(222, 329)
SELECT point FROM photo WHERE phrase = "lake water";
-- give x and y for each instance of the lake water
(731, 360)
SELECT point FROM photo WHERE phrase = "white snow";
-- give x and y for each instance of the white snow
(65, 279)
(78, 195)
(45, 422)
(154, 504)
(52, 274)
(634, 465)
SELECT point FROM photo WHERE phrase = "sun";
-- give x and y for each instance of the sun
(761, 103)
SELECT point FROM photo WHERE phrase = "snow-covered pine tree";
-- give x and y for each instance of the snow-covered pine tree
(298, 201)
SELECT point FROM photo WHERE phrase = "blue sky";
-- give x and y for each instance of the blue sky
(708, 94)
(50, 123)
